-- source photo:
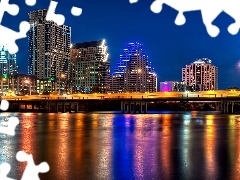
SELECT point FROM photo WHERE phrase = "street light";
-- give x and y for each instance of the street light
(138, 71)
(61, 76)
(29, 82)
(2, 84)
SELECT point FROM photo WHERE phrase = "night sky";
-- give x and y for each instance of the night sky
(169, 47)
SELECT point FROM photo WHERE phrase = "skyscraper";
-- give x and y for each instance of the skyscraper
(7, 61)
(90, 67)
(134, 72)
(49, 48)
(201, 74)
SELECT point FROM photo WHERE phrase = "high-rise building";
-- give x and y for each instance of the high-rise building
(201, 73)
(134, 72)
(7, 61)
(8, 69)
(49, 49)
(90, 67)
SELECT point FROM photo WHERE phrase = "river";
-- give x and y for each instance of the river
(106, 145)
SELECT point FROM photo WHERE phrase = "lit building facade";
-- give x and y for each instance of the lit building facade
(20, 84)
(173, 86)
(201, 75)
(116, 82)
(49, 49)
(7, 61)
(90, 67)
(134, 72)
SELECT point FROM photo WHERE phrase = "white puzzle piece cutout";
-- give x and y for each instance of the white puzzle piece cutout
(31, 171)
(4, 170)
(210, 10)
(8, 35)
(59, 19)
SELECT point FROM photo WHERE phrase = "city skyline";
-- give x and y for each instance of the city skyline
(170, 47)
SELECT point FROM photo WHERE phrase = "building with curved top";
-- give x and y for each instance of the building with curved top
(201, 75)
(134, 72)
(90, 67)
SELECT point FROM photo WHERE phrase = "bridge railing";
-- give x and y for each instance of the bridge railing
(127, 96)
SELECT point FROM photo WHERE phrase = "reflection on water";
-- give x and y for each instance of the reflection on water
(115, 146)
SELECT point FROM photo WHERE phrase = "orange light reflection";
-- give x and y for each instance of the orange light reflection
(28, 132)
(210, 147)
(166, 143)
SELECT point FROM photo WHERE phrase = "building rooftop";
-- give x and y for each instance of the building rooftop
(87, 44)
(203, 60)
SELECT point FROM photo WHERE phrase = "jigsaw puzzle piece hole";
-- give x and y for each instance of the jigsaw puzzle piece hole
(133, 1)
(212, 30)
(13, 48)
(208, 16)
(233, 28)
(156, 6)
(51, 16)
(180, 19)
(30, 2)
(5, 168)
(14, 10)
(24, 27)
(43, 167)
(4, 105)
(76, 11)
(22, 156)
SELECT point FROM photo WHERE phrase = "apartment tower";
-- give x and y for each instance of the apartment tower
(49, 49)
(201, 73)
(90, 67)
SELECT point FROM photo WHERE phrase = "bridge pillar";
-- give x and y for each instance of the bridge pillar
(63, 109)
(56, 107)
(25, 106)
(76, 107)
(232, 107)
(222, 106)
(122, 107)
(131, 107)
(70, 107)
(19, 107)
(145, 107)
(48, 106)
(226, 108)
(128, 108)
(134, 107)
(217, 108)
(140, 107)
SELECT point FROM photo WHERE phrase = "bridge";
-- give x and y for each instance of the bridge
(225, 101)
(218, 93)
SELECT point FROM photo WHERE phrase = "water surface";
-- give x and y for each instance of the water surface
(131, 146)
